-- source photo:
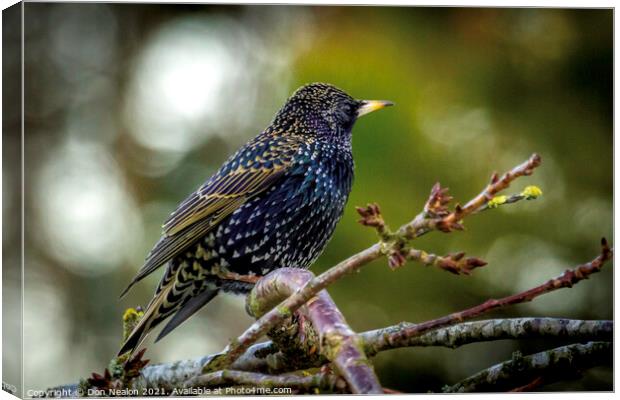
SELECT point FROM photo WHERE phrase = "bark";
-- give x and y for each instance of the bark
(551, 365)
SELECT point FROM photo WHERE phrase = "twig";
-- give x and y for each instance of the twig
(455, 263)
(529, 193)
(551, 365)
(492, 329)
(436, 215)
(567, 279)
(495, 186)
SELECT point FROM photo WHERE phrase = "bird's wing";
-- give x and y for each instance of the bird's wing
(249, 172)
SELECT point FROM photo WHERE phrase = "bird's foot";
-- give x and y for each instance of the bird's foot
(231, 276)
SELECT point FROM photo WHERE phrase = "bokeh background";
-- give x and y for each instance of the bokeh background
(128, 108)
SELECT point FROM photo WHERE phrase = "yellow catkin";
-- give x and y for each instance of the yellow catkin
(496, 201)
(531, 192)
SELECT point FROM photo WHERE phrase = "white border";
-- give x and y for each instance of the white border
(455, 3)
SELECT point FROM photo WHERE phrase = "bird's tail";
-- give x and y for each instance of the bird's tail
(155, 313)
(175, 294)
(187, 310)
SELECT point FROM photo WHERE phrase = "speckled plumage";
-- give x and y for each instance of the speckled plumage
(274, 203)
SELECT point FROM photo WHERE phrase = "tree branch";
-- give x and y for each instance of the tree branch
(264, 357)
(338, 343)
(455, 263)
(550, 365)
(492, 329)
(436, 215)
(399, 336)
(287, 307)
(308, 383)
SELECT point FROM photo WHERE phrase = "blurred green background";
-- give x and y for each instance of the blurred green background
(128, 108)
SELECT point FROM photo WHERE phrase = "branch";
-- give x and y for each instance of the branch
(308, 383)
(435, 216)
(287, 307)
(493, 329)
(399, 337)
(338, 343)
(263, 357)
(529, 193)
(455, 263)
(550, 366)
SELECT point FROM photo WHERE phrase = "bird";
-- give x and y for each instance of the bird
(274, 203)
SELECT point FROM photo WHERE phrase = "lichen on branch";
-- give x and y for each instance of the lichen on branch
(553, 365)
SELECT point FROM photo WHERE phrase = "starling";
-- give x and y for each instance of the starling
(273, 204)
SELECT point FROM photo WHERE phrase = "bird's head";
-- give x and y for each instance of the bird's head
(323, 110)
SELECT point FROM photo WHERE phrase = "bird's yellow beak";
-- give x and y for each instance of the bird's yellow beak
(369, 106)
